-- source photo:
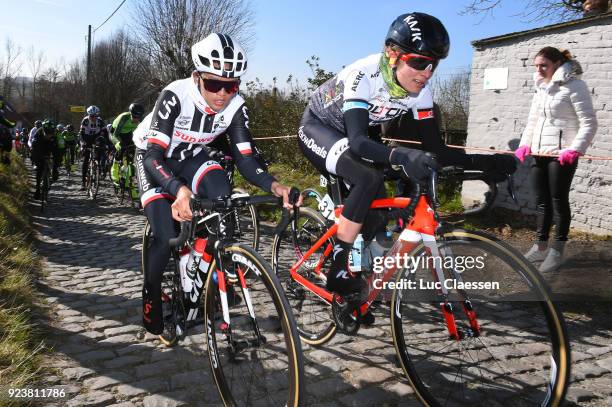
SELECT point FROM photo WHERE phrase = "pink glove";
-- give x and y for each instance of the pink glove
(568, 157)
(522, 152)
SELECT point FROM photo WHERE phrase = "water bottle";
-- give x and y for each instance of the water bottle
(183, 259)
(376, 248)
(355, 263)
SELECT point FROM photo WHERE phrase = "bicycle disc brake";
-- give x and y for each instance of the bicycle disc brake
(342, 312)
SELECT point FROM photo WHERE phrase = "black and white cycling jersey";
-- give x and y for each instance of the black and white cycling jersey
(90, 129)
(182, 123)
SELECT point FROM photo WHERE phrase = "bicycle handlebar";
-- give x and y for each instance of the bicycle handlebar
(222, 204)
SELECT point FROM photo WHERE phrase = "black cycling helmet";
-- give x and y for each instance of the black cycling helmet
(137, 110)
(419, 33)
(38, 123)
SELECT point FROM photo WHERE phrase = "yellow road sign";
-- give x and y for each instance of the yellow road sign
(77, 109)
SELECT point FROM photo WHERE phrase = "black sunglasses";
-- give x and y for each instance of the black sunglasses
(214, 86)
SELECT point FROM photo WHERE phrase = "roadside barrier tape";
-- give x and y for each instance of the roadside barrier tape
(490, 150)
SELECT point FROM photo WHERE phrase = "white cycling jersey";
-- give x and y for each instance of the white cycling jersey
(361, 85)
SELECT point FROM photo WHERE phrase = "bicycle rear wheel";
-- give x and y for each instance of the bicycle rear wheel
(257, 359)
(517, 355)
(173, 304)
(313, 314)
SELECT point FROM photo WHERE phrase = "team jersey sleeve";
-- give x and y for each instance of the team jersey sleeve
(357, 118)
(426, 117)
(243, 151)
(167, 109)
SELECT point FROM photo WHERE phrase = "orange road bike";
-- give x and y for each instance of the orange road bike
(472, 321)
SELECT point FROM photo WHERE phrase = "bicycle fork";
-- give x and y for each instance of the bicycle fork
(226, 327)
(446, 306)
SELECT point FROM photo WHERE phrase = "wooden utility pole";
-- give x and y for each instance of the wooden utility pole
(88, 79)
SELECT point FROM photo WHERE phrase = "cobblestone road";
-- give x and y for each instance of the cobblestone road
(91, 284)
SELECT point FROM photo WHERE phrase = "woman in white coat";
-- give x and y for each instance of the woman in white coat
(561, 123)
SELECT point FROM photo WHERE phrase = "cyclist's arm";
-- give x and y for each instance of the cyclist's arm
(431, 139)
(357, 119)
(243, 151)
(158, 140)
(82, 131)
(117, 128)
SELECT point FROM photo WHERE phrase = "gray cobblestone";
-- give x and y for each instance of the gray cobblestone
(152, 385)
(93, 399)
(110, 359)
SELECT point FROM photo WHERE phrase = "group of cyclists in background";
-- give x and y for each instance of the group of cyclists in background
(61, 146)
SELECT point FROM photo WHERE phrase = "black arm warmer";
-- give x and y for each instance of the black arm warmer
(356, 124)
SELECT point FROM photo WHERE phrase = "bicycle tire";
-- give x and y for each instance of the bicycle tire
(94, 174)
(313, 314)
(44, 189)
(309, 194)
(67, 165)
(272, 330)
(539, 324)
(248, 220)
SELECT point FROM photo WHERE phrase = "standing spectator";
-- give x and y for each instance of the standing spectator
(561, 123)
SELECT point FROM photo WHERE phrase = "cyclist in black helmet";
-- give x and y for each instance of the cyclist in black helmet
(343, 113)
(121, 133)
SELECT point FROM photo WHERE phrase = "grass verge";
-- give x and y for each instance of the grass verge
(20, 344)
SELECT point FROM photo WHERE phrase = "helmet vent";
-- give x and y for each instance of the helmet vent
(204, 61)
(228, 53)
(214, 53)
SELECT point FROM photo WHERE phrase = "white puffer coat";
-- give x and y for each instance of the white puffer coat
(561, 114)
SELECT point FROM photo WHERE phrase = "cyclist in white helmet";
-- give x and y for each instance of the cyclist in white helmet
(92, 127)
(172, 159)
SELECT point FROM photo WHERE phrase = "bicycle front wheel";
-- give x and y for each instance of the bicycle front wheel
(94, 173)
(507, 345)
(44, 196)
(254, 348)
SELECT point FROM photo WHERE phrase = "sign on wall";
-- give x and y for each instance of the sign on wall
(496, 78)
(77, 109)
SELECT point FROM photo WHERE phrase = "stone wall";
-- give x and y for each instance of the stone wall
(497, 117)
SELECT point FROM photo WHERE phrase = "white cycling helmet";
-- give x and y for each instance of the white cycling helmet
(93, 110)
(220, 55)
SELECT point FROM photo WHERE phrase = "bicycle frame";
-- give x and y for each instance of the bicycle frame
(421, 228)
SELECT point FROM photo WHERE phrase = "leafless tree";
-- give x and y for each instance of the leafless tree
(36, 62)
(168, 28)
(12, 65)
(452, 95)
(548, 10)
(118, 73)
